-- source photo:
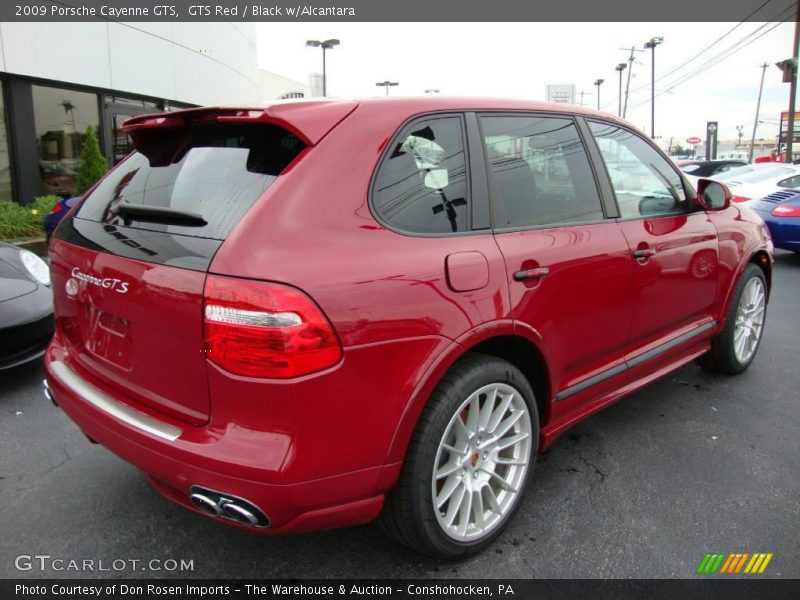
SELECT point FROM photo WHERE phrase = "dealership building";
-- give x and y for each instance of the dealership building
(60, 78)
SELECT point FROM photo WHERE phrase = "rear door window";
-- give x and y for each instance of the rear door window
(421, 186)
(218, 173)
(541, 174)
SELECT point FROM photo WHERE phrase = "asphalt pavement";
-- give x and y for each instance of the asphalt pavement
(694, 463)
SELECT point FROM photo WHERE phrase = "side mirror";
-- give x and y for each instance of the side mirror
(436, 179)
(713, 195)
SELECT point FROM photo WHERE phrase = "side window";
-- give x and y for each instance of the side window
(540, 171)
(644, 182)
(792, 182)
(421, 186)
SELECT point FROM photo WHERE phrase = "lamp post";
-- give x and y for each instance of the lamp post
(326, 45)
(620, 68)
(652, 46)
(386, 84)
(598, 83)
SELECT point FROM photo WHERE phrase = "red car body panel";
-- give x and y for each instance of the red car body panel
(321, 450)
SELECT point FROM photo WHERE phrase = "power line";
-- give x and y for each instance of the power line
(707, 48)
(719, 58)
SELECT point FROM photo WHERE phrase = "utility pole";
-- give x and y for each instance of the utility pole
(758, 108)
(632, 49)
(584, 94)
(793, 87)
(620, 67)
(655, 41)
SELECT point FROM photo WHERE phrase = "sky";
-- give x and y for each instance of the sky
(517, 60)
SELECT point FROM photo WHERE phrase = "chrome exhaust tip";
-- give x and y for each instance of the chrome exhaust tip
(226, 506)
(206, 504)
(48, 392)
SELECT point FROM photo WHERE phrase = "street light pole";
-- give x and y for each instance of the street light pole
(652, 45)
(620, 67)
(598, 83)
(326, 45)
(386, 84)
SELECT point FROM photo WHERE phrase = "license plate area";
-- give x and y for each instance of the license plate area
(108, 338)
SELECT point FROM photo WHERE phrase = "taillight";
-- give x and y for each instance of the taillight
(786, 211)
(266, 330)
(739, 199)
(57, 208)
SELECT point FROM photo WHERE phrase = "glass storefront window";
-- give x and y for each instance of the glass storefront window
(61, 118)
(5, 157)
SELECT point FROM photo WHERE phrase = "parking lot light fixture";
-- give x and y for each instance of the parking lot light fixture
(386, 85)
(325, 45)
(620, 68)
(655, 41)
(598, 83)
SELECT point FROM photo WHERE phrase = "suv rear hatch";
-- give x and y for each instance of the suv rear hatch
(129, 267)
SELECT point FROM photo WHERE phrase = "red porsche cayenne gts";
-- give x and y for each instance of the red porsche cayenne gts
(315, 314)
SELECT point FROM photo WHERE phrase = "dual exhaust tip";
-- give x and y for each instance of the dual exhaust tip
(225, 506)
(215, 504)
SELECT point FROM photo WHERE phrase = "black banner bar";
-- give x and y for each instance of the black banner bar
(406, 589)
(385, 10)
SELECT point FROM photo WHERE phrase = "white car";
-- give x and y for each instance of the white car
(753, 182)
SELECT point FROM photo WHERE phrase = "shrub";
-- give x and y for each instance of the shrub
(92, 166)
(22, 222)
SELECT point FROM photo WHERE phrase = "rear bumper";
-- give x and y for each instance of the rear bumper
(176, 456)
(784, 231)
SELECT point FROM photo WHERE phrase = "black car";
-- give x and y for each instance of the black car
(26, 306)
(709, 168)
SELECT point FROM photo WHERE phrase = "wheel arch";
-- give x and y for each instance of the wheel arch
(759, 256)
(502, 339)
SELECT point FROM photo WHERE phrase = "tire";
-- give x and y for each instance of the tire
(474, 450)
(745, 320)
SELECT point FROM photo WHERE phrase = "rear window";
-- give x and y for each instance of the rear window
(217, 172)
(755, 175)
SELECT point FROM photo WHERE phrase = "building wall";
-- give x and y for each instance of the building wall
(195, 63)
(58, 79)
(272, 86)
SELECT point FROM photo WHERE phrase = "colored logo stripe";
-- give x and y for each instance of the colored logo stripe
(728, 563)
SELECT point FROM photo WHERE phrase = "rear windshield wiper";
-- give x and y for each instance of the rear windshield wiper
(158, 214)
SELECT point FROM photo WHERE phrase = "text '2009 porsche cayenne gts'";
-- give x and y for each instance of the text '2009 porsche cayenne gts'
(317, 314)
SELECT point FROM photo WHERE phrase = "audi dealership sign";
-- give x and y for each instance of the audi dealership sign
(560, 92)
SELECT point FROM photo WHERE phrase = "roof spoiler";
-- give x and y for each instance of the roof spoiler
(309, 121)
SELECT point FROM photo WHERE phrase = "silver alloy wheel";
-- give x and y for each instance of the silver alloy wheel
(481, 462)
(749, 320)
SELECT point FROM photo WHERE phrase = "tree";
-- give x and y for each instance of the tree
(92, 165)
(678, 150)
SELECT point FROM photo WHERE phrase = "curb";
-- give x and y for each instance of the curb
(38, 246)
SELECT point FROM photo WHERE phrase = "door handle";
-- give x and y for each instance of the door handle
(643, 253)
(528, 274)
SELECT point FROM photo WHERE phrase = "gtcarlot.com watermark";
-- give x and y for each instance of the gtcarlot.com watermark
(46, 562)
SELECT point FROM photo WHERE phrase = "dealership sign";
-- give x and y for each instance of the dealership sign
(560, 92)
(693, 140)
